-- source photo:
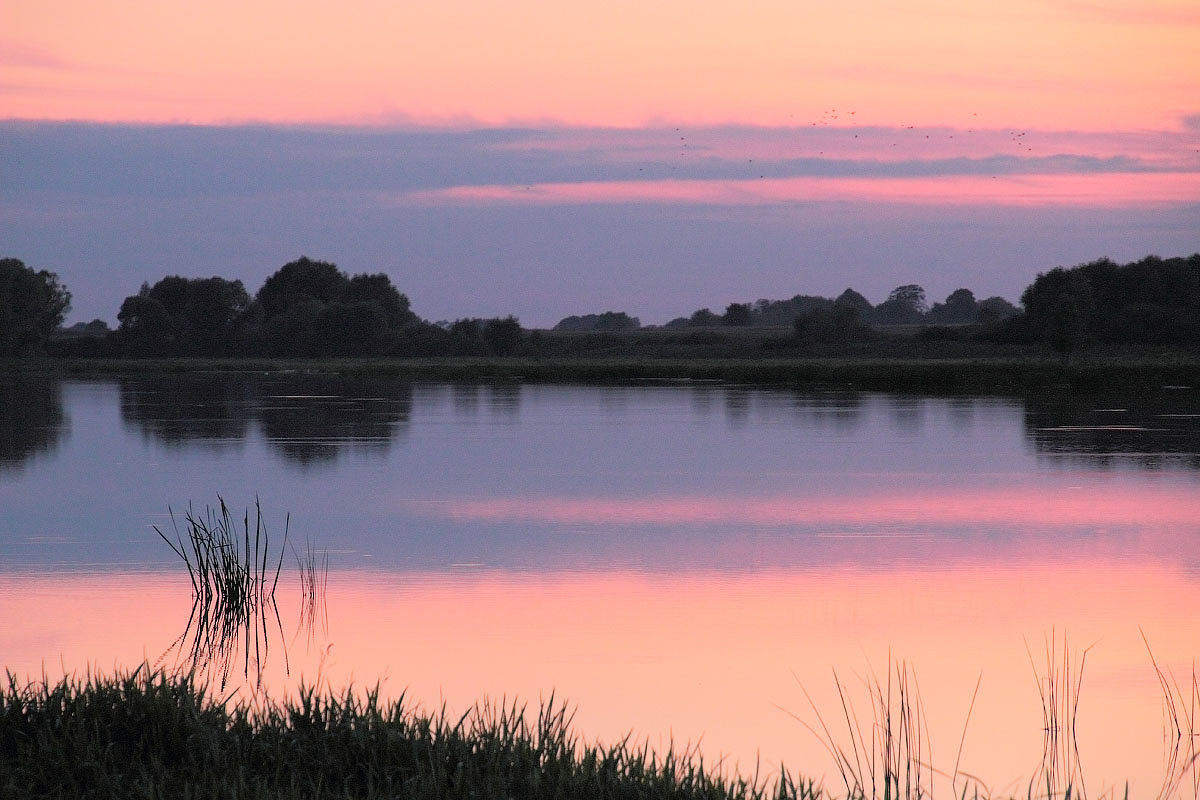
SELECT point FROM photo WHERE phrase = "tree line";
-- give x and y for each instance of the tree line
(312, 308)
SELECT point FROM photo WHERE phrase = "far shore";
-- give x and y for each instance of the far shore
(1092, 372)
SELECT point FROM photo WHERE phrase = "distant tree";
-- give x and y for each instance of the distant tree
(737, 314)
(703, 318)
(378, 289)
(502, 336)
(904, 306)
(782, 312)
(301, 279)
(854, 300)
(1059, 305)
(96, 327)
(292, 332)
(182, 316)
(960, 308)
(838, 322)
(995, 309)
(1067, 324)
(608, 321)
(318, 309)
(145, 328)
(32, 306)
(350, 328)
(678, 322)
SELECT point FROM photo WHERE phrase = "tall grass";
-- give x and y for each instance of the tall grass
(233, 588)
(1181, 730)
(153, 734)
(886, 755)
(1060, 683)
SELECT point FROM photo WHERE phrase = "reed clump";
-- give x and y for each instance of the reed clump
(150, 733)
(233, 588)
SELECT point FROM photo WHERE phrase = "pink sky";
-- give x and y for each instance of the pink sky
(548, 126)
(1047, 64)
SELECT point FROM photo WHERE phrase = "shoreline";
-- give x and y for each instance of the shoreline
(999, 375)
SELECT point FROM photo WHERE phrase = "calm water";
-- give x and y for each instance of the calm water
(680, 561)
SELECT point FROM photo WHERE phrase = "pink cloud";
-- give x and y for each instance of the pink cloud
(1130, 189)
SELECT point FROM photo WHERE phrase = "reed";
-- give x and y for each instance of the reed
(233, 591)
(225, 568)
(1060, 773)
(1181, 736)
(314, 583)
(887, 755)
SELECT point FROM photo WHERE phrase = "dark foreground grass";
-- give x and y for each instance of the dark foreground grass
(151, 734)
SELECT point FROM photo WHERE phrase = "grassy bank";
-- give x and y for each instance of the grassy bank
(1101, 371)
(150, 735)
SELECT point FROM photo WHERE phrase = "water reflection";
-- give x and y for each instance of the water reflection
(187, 410)
(1152, 431)
(31, 418)
(308, 419)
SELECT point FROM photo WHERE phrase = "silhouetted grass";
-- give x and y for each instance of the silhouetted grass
(233, 589)
(151, 734)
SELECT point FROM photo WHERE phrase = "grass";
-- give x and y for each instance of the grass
(233, 589)
(886, 755)
(151, 734)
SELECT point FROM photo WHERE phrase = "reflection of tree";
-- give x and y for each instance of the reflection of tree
(311, 419)
(183, 409)
(31, 418)
(844, 409)
(1157, 430)
(305, 418)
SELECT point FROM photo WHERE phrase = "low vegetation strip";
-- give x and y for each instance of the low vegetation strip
(924, 375)
(150, 734)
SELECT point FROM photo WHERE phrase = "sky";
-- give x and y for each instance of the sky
(546, 159)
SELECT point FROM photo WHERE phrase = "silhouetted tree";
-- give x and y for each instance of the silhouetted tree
(703, 318)
(378, 289)
(904, 306)
(319, 281)
(349, 328)
(312, 308)
(960, 308)
(860, 304)
(32, 306)
(502, 336)
(737, 314)
(838, 322)
(994, 309)
(608, 321)
(782, 312)
(1059, 306)
(182, 316)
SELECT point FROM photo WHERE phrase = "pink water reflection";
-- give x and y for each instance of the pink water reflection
(699, 656)
(949, 506)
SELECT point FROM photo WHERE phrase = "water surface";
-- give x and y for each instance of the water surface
(678, 561)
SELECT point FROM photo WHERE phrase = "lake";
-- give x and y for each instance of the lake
(689, 563)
